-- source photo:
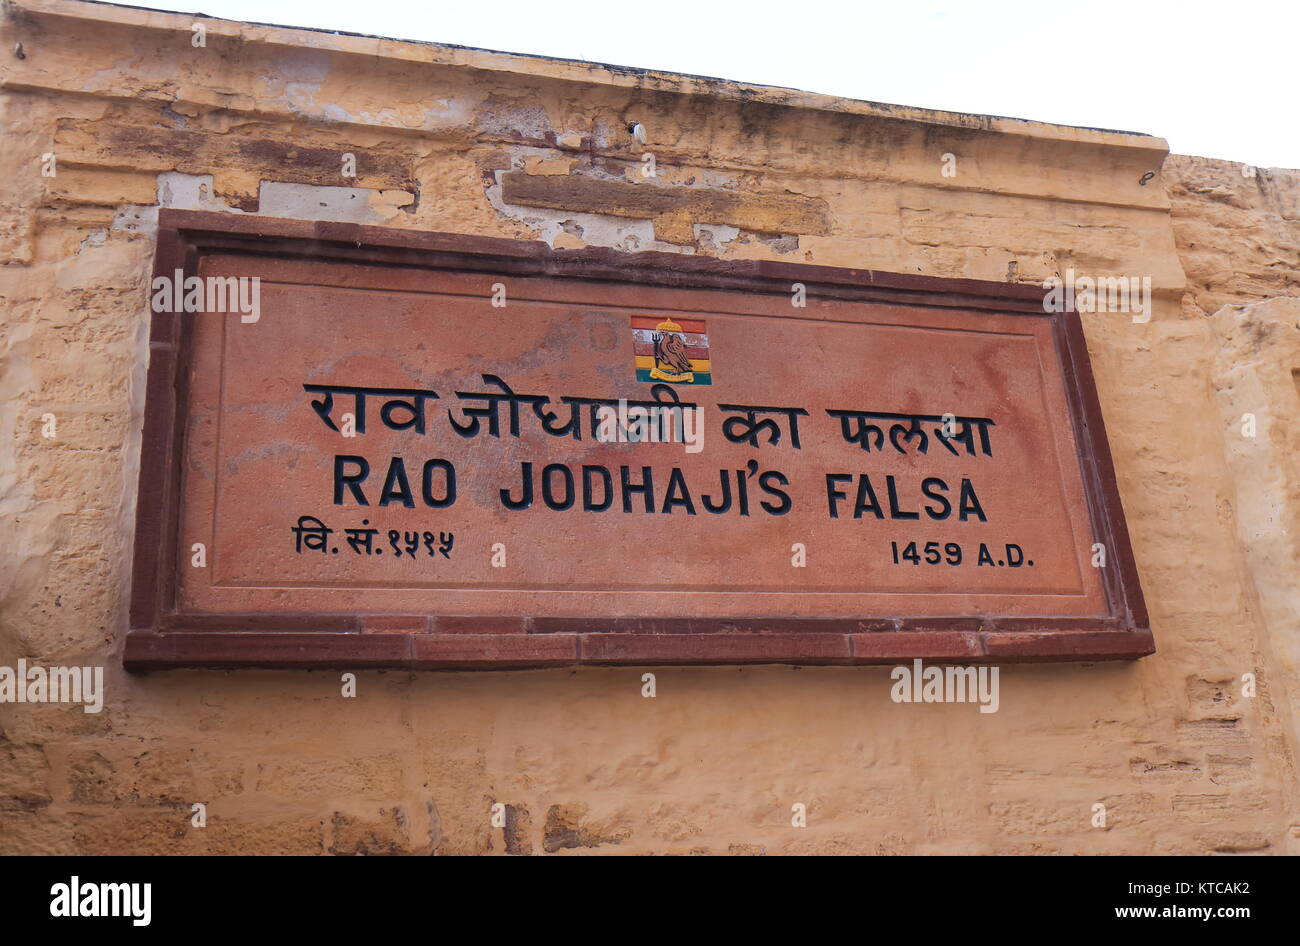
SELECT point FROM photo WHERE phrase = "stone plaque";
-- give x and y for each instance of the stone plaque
(372, 447)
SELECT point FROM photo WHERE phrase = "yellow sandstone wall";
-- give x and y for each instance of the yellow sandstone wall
(257, 119)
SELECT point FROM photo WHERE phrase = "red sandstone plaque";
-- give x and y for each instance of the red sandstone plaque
(441, 451)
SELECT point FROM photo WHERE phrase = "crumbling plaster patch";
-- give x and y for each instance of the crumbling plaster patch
(622, 233)
(275, 199)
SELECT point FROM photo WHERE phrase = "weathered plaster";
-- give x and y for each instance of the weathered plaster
(261, 119)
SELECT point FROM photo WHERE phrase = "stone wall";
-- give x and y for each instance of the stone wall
(257, 121)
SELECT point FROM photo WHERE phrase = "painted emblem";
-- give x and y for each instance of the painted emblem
(676, 352)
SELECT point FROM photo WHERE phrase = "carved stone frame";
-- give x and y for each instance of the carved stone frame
(160, 636)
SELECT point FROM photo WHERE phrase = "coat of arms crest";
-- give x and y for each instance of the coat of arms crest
(671, 351)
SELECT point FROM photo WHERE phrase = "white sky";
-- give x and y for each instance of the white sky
(1218, 79)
